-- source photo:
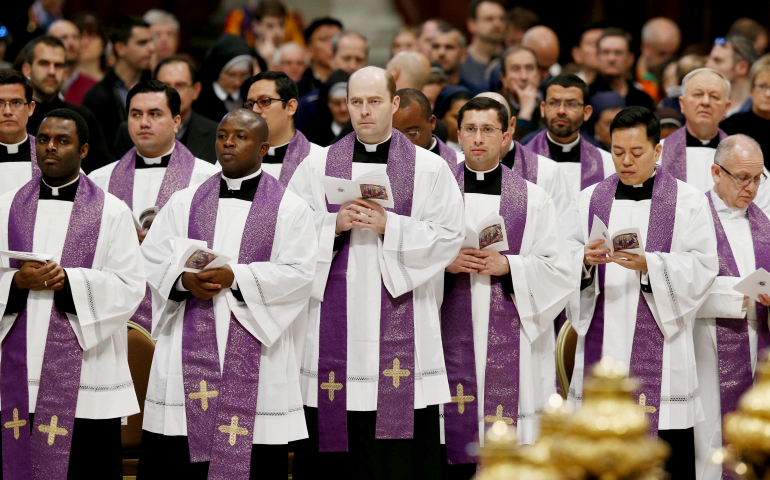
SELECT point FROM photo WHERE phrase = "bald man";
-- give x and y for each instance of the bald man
(371, 406)
(76, 84)
(731, 329)
(234, 319)
(545, 43)
(409, 69)
(661, 39)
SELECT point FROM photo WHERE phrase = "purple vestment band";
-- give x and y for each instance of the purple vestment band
(447, 154)
(298, 149)
(591, 163)
(673, 157)
(177, 177)
(45, 454)
(33, 156)
(395, 392)
(501, 388)
(525, 162)
(733, 351)
(647, 349)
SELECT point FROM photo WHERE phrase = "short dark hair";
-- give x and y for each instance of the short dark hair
(568, 80)
(412, 95)
(29, 48)
(444, 27)
(9, 76)
(156, 86)
(284, 85)
(268, 8)
(631, 117)
(616, 32)
(485, 103)
(515, 49)
(318, 23)
(177, 59)
(474, 5)
(123, 28)
(81, 127)
(522, 18)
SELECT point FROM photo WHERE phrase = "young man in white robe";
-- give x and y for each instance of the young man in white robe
(731, 329)
(373, 370)
(65, 378)
(639, 308)
(17, 149)
(156, 167)
(275, 96)
(688, 153)
(499, 303)
(224, 398)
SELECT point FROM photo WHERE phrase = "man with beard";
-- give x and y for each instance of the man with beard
(77, 83)
(45, 64)
(486, 23)
(448, 51)
(565, 109)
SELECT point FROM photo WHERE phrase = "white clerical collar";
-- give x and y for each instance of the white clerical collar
(512, 146)
(336, 128)
(721, 207)
(156, 161)
(433, 145)
(14, 147)
(235, 183)
(55, 190)
(642, 184)
(565, 147)
(271, 150)
(222, 95)
(372, 147)
(479, 174)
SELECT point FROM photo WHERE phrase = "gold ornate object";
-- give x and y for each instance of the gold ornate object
(502, 459)
(607, 438)
(396, 372)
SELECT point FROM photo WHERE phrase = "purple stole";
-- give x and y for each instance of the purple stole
(673, 157)
(591, 164)
(501, 389)
(177, 177)
(298, 149)
(33, 156)
(647, 348)
(221, 409)
(733, 333)
(447, 154)
(525, 162)
(45, 453)
(395, 389)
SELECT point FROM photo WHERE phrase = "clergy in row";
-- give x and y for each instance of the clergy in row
(156, 167)
(500, 303)
(64, 376)
(731, 329)
(640, 308)
(373, 372)
(565, 110)
(275, 97)
(223, 399)
(17, 149)
(688, 153)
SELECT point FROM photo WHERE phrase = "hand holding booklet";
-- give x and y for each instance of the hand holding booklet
(755, 284)
(374, 186)
(26, 256)
(626, 240)
(194, 256)
(489, 234)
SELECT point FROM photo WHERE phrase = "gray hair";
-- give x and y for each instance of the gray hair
(157, 15)
(279, 51)
(695, 72)
(345, 33)
(726, 147)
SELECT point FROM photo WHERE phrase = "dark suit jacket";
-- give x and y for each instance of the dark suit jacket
(209, 105)
(199, 138)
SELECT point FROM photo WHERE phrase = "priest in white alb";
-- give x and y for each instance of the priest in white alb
(17, 149)
(224, 400)
(64, 376)
(639, 308)
(373, 370)
(731, 328)
(500, 302)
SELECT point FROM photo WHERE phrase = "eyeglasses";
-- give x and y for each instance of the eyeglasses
(762, 87)
(416, 133)
(569, 105)
(263, 102)
(486, 130)
(15, 104)
(744, 182)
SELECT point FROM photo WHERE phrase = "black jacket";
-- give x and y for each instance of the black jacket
(225, 49)
(199, 138)
(634, 97)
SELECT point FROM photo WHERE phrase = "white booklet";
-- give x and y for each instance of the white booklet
(144, 222)
(755, 284)
(625, 240)
(489, 234)
(194, 256)
(374, 186)
(26, 256)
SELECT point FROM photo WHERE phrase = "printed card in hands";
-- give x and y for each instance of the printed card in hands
(626, 240)
(755, 284)
(374, 186)
(26, 256)
(489, 234)
(144, 222)
(193, 256)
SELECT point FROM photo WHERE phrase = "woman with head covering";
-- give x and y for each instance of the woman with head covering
(227, 66)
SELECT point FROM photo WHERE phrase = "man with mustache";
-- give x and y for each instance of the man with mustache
(157, 166)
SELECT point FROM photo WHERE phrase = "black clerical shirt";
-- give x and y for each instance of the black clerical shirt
(360, 155)
(559, 155)
(279, 155)
(140, 163)
(23, 155)
(694, 142)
